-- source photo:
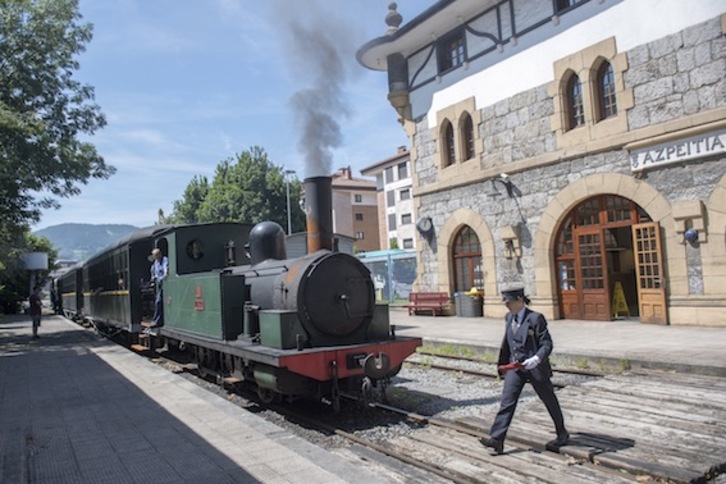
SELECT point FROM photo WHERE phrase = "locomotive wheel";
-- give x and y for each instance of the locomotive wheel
(172, 346)
(203, 372)
(267, 396)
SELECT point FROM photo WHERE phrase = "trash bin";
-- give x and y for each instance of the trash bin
(468, 306)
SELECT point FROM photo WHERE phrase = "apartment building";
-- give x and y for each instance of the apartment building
(395, 203)
(355, 209)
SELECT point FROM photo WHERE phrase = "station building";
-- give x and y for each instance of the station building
(576, 147)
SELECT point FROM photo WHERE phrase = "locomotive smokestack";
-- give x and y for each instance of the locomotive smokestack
(319, 212)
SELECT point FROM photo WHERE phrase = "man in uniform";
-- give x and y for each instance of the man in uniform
(159, 271)
(524, 357)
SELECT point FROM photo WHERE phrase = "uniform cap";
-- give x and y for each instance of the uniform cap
(512, 295)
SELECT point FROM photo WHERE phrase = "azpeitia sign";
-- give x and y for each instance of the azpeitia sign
(684, 149)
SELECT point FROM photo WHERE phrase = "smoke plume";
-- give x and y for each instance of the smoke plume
(320, 48)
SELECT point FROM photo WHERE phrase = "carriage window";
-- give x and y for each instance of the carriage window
(195, 249)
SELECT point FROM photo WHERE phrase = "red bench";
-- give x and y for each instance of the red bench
(428, 301)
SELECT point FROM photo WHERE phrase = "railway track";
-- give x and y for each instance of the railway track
(644, 427)
(451, 451)
(478, 368)
(481, 361)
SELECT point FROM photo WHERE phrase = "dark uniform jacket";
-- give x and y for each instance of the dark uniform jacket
(532, 338)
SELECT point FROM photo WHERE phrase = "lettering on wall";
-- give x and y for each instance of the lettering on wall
(685, 149)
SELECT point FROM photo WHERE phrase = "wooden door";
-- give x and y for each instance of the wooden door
(649, 271)
(569, 294)
(594, 287)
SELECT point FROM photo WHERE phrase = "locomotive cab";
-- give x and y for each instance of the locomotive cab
(201, 295)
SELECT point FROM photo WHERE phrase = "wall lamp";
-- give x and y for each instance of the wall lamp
(689, 217)
(512, 244)
(503, 178)
(691, 236)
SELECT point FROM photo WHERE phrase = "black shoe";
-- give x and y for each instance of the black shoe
(495, 444)
(559, 441)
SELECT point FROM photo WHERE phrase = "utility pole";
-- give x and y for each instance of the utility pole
(287, 188)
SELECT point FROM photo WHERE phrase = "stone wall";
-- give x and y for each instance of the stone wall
(678, 75)
(518, 128)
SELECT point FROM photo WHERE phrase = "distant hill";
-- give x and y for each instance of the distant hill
(79, 241)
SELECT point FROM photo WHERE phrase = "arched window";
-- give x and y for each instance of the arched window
(449, 153)
(467, 260)
(575, 107)
(467, 137)
(606, 91)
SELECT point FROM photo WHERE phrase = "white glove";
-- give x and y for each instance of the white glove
(530, 363)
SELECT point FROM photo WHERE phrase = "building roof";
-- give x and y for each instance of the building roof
(402, 155)
(435, 21)
(343, 179)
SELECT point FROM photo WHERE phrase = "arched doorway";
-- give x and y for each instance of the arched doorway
(608, 260)
(466, 254)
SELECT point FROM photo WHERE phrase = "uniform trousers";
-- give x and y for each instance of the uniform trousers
(158, 317)
(514, 381)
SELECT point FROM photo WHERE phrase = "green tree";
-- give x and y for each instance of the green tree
(186, 210)
(43, 109)
(247, 188)
(15, 278)
(44, 112)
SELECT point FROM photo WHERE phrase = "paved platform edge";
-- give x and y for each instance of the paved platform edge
(227, 427)
(322, 458)
(595, 362)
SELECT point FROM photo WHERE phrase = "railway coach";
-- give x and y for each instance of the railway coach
(69, 289)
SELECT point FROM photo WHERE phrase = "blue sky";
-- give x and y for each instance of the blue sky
(185, 84)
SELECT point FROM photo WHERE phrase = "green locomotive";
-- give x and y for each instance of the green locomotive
(302, 327)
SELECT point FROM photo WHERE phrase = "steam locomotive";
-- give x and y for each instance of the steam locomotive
(306, 327)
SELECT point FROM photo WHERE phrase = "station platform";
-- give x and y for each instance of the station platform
(75, 408)
(683, 348)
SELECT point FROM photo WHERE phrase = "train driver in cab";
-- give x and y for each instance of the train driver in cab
(159, 271)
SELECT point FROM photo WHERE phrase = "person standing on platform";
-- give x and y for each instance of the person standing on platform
(159, 271)
(524, 357)
(35, 310)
